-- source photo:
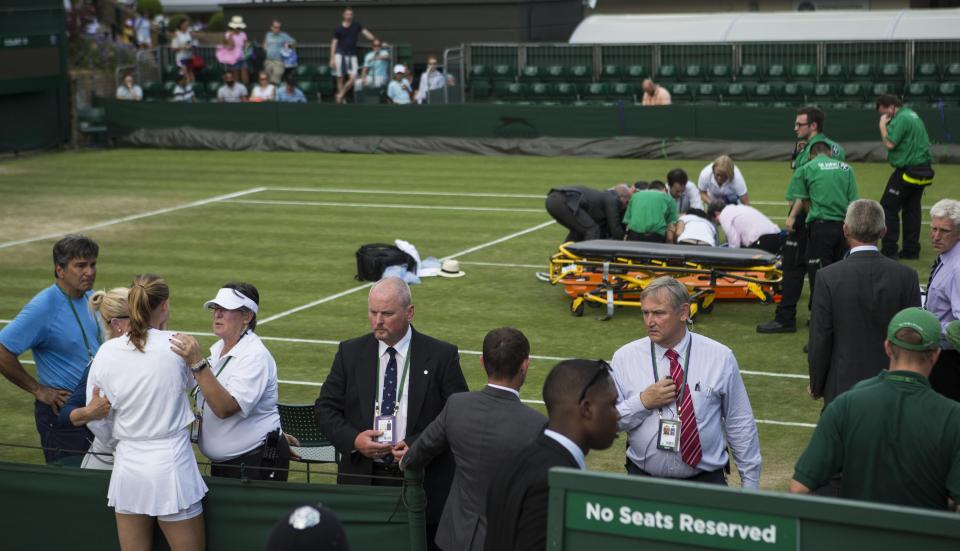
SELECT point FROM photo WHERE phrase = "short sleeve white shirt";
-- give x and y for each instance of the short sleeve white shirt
(730, 191)
(700, 229)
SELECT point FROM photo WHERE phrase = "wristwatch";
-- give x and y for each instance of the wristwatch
(200, 366)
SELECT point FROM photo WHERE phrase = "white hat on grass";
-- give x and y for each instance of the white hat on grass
(451, 268)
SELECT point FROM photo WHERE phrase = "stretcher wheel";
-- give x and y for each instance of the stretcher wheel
(577, 307)
(707, 304)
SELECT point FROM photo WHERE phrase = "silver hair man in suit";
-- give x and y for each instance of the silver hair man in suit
(483, 430)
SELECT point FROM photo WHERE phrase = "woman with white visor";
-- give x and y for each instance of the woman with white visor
(238, 425)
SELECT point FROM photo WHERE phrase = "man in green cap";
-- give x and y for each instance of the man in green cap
(894, 439)
(908, 151)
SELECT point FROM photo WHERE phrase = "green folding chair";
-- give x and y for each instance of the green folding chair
(299, 420)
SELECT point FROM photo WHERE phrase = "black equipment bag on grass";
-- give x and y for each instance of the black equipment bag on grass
(374, 258)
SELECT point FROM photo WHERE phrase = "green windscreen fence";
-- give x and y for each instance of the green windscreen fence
(60, 507)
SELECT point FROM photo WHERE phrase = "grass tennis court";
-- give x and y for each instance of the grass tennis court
(290, 224)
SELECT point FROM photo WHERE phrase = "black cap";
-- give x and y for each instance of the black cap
(308, 527)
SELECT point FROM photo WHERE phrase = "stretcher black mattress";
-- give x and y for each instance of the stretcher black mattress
(610, 250)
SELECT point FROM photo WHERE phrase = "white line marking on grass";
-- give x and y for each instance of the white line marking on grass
(498, 241)
(409, 193)
(133, 217)
(771, 374)
(504, 265)
(786, 423)
(380, 206)
(300, 383)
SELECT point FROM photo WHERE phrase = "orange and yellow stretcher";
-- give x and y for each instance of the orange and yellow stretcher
(613, 273)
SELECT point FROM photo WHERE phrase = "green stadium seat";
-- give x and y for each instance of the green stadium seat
(781, 104)
(503, 72)
(882, 88)
(707, 92)
(622, 91)
(853, 92)
(952, 73)
(323, 71)
(693, 73)
(834, 72)
(171, 73)
(611, 72)
(796, 92)
(565, 92)
(928, 71)
(153, 91)
(555, 73)
(803, 71)
(212, 88)
(500, 87)
(666, 74)
(540, 91)
(920, 92)
(719, 73)
(636, 73)
(594, 91)
(775, 72)
(305, 72)
(949, 92)
(480, 89)
(837, 105)
(862, 71)
(823, 93)
(309, 89)
(530, 73)
(513, 91)
(580, 73)
(748, 71)
(480, 71)
(891, 72)
(736, 93)
(767, 92)
(681, 91)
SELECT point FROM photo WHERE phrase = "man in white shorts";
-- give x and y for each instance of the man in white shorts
(343, 52)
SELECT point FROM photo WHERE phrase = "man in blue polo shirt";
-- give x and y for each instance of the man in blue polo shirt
(63, 334)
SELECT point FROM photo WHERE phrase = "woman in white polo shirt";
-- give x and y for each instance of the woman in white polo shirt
(155, 474)
(236, 394)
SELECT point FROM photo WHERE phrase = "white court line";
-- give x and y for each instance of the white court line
(408, 193)
(504, 265)
(133, 217)
(366, 285)
(786, 423)
(379, 205)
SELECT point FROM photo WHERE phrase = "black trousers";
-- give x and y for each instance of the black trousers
(771, 242)
(253, 465)
(580, 225)
(945, 377)
(60, 446)
(826, 245)
(901, 199)
(706, 477)
(794, 264)
(648, 237)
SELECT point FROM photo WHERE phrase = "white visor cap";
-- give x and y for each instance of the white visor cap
(231, 299)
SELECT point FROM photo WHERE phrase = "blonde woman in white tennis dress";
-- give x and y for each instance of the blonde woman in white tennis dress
(155, 473)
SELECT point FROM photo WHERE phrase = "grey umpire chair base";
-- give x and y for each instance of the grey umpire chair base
(300, 421)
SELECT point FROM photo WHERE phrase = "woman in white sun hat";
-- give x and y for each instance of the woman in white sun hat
(238, 426)
(231, 53)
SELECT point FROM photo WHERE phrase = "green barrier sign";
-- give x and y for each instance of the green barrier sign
(676, 523)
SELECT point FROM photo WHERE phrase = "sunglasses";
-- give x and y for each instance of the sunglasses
(602, 367)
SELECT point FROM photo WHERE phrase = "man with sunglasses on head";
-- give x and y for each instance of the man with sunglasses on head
(682, 400)
(581, 402)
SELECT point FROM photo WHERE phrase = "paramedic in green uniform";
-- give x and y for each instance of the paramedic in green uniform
(809, 129)
(892, 436)
(651, 215)
(908, 151)
(824, 188)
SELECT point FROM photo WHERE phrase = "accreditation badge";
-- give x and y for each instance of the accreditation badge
(668, 437)
(387, 425)
(195, 427)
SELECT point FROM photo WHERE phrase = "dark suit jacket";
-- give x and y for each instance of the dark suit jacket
(483, 430)
(853, 303)
(345, 406)
(602, 205)
(517, 501)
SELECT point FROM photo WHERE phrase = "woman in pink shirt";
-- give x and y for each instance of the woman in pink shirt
(230, 53)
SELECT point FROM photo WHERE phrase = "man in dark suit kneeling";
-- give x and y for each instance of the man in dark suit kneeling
(482, 429)
(582, 404)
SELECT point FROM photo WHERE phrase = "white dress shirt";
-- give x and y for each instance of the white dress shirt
(719, 398)
(513, 391)
(698, 229)
(402, 348)
(571, 447)
(689, 199)
(743, 225)
(730, 191)
(943, 294)
(863, 248)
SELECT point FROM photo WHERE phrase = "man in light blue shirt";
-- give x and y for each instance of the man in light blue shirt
(289, 93)
(63, 334)
(399, 91)
(376, 67)
(273, 43)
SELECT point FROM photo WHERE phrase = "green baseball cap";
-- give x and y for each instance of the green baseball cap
(919, 320)
(952, 333)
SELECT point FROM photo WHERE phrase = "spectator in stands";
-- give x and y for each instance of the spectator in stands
(155, 475)
(943, 291)
(376, 67)
(684, 191)
(581, 403)
(63, 336)
(273, 44)
(482, 430)
(141, 26)
(824, 188)
(128, 36)
(894, 439)
(343, 52)
(231, 53)
(589, 213)
(129, 89)
(183, 43)
(308, 528)
(721, 179)
(680, 418)
(908, 151)
(263, 90)
(399, 91)
(654, 94)
(745, 226)
(289, 93)
(693, 228)
(231, 91)
(808, 126)
(651, 215)
(183, 91)
(79, 411)
(431, 79)
(236, 391)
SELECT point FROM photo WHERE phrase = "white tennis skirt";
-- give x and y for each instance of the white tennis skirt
(99, 456)
(155, 477)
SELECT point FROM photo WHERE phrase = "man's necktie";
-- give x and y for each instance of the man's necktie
(389, 401)
(690, 450)
(933, 271)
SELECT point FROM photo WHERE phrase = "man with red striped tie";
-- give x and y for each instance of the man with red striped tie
(682, 400)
